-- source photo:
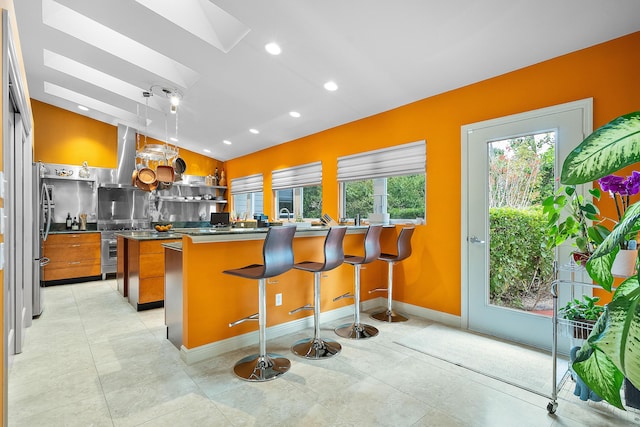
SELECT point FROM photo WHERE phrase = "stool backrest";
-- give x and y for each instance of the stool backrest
(372, 244)
(278, 250)
(404, 243)
(334, 248)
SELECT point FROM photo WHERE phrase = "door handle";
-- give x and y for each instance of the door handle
(474, 240)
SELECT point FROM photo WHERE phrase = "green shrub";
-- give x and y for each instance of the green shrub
(406, 213)
(519, 261)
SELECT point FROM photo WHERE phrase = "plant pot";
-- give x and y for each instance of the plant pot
(625, 263)
(631, 395)
(582, 328)
(580, 258)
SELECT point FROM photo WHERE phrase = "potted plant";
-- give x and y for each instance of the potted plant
(568, 215)
(582, 314)
(620, 189)
(611, 351)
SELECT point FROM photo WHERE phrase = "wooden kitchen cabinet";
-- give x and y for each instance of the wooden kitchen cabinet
(71, 256)
(146, 273)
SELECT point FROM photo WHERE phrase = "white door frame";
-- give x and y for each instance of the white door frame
(587, 120)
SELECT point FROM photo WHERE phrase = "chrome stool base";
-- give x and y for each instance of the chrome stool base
(356, 332)
(389, 316)
(258, 369)
(316, 348)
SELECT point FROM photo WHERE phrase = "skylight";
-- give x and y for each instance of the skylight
(97, 78)
(89, 31)
(203, 19)
(94, 104)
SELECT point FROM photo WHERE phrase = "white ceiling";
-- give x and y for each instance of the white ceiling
(381, 53)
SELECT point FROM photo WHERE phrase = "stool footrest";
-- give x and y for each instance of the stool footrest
(304, 307)
(244, 319)
(379, 290)
(347, 295)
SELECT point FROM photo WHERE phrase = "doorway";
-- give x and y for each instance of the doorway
(502, 287)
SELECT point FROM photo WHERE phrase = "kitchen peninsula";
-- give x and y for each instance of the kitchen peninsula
(202, 301)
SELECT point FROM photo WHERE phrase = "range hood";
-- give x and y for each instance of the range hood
(126, 152)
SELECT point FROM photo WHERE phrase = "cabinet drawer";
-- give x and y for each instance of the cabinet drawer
(151, 290)
(152, 265)
(71, 269)
(76, 251)
(63, 239)
(153, 246)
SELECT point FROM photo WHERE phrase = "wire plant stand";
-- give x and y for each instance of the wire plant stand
(576, 330)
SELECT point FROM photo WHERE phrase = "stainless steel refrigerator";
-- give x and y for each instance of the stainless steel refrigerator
(42, 199)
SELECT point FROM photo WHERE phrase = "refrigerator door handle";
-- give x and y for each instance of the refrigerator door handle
(46, 208)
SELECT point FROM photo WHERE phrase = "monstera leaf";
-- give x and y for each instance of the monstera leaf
(607, 150)
(612, 350)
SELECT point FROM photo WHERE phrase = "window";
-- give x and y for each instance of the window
(387, 184)
(247, 196)
(298, 191)
(300, 202)
(248, 204)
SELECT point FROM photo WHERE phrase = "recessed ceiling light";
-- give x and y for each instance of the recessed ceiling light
(227, 142)
(331, 86)
(254, 131)
(83, 108)
(173, 139)
(273, 48)
(206, 150)
(294, 114)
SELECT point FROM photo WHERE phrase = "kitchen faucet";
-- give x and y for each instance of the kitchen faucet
(288, 214)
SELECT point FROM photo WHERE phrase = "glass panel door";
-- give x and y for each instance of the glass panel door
(509, 165)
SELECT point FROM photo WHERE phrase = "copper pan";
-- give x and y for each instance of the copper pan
(147, 175)
(165, 173)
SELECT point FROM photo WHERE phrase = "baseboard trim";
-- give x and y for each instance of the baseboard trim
(197, 354)
(426, 313)
(207, 351)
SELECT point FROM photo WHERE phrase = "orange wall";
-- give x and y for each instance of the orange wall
(69, 138)
(606, 72)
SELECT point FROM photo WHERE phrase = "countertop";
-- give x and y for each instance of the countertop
(73, 231)
(219, 234)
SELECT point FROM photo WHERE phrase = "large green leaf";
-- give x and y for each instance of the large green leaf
(599, 269)
(626, 287)
(600, 375)
(607, 150)
(612, 351)
(620, 340)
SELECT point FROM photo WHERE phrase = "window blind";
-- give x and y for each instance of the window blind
(405, 159)
(298, 176)
(247, 184)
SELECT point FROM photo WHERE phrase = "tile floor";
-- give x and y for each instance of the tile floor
(91, 360)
